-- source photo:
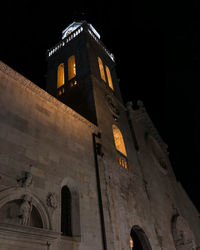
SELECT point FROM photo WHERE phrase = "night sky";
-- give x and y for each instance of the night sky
(157, 50)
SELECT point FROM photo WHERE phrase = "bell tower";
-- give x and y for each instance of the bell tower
(75, 63)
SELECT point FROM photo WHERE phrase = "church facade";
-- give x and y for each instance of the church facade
(79, 170)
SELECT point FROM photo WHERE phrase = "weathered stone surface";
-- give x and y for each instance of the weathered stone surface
(42, 136)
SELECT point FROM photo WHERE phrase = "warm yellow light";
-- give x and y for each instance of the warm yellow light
(60, 75)
(101, 68)
(123, 162)
(109, 78)
(73, 83)
(71, 67)
(131, 242)
(119, 141)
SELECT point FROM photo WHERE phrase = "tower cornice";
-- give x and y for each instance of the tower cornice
(83, 26)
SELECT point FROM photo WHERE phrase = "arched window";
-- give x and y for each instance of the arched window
(71, 67)
(119, 141)
(66, 211)
(131, 242)
(138, 239)
(109, 78)
(101, 69)
(60, 75)
(135, 243)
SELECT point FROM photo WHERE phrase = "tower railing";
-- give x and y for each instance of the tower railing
(74, 34)
(61, 44)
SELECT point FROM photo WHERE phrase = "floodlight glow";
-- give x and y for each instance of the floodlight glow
(70, 29)
(95, 32)
(74, 26)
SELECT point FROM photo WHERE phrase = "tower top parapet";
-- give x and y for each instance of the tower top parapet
(72, 31)
(73, 26)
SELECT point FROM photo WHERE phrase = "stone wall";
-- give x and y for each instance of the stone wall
(45, 145)
(167, 199)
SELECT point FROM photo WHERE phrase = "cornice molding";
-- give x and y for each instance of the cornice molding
(22, 233)
(26, 84)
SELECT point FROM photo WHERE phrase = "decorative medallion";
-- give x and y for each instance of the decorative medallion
(52, 200)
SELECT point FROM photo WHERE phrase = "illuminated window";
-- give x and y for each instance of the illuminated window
(123, 161)
(60, 75)
(71, 67)
(119, 141)
(73, 83)
(101, 68)
(138, 239)
(109, 78)
(131, 243)
(61, 91)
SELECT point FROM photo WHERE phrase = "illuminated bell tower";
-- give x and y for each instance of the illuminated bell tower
(78, 60)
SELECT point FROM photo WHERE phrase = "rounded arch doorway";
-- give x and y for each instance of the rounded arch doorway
(138, 239)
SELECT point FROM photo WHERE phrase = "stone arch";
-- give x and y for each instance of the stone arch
(139, 239)
(182, 234)
(75, 206)
(15, 196)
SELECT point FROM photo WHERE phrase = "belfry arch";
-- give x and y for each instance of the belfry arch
(138, 239)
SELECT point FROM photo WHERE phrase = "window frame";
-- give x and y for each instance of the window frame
(66, 212)
(109, 77)
(71, 68)
(60, 75)
(101, 69)
(122, 158)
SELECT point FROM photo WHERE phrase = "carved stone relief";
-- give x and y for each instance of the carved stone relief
(21, 212)
(26, 180)
(25, 210)
(52, 200)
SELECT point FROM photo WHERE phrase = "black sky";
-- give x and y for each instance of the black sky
(157, 51)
